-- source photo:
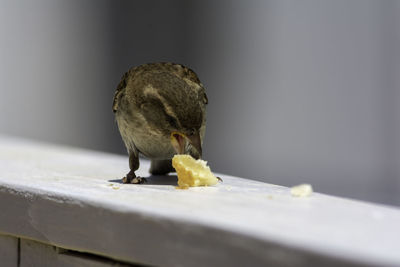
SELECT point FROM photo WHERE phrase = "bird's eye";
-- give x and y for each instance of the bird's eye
(191, 132)
(172, 121)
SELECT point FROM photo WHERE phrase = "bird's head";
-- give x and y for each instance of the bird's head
(176, 109)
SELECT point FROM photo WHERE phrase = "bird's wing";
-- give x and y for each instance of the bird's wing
(189, 76)
(186, 74)
(179, 70)
(120, 87)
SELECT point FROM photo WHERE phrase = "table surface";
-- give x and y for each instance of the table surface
(73, 198)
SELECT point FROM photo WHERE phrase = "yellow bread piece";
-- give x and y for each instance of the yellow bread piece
(192, 172)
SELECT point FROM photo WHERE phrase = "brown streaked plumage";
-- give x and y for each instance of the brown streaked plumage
(160, 109)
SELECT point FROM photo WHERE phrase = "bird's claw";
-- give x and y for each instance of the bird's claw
(219, 179)
(138, 180)
(130, 179)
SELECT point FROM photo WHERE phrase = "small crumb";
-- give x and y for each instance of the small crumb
(184, 188)
(270, 197)
(113, 186)
(303, 190)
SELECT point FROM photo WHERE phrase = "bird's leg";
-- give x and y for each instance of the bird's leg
(160, 167)
(131, 177)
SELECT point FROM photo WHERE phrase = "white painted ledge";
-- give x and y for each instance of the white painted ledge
(71, 198)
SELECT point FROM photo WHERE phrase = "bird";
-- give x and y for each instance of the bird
(160, 110)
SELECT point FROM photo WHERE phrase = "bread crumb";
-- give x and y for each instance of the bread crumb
(303, 190)
(192, 172)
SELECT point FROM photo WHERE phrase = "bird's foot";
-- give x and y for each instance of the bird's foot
(133, 179)
(219, 179)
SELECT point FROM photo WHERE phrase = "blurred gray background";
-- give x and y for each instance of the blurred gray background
(299, 91)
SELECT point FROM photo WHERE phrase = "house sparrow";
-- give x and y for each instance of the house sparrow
(160, 109)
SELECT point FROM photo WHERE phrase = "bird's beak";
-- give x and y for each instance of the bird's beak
(178, 141)
(196, 143)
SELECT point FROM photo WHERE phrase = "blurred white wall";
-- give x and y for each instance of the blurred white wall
(55, 61)
(62, 60)
(300, 91)
(305, 91)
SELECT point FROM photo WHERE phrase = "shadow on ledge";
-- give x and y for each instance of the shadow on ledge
(155, 180)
